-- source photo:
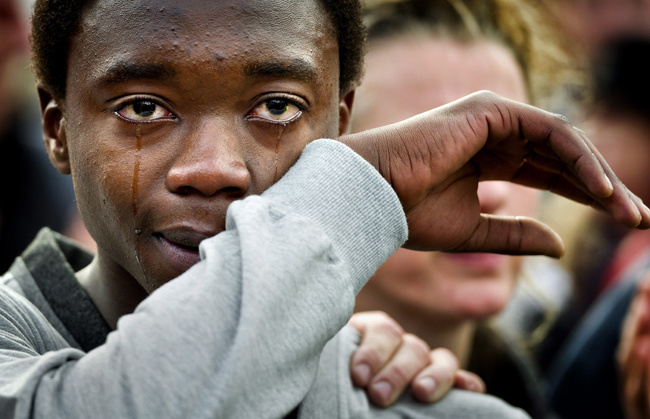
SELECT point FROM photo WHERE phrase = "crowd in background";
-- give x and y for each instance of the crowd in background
(568, 338)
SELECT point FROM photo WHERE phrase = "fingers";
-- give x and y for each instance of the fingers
(387, 359)
(553, 137)
(622, 204)
(589, 167)
(435, 381)
(554, 132)
(467, 380)
(513, 235)
(550, 174)
(381, 336)
(393, 378)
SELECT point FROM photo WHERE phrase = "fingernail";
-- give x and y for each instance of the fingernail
(382, 390)
(428, 384)
(362, 371)
(608, 184)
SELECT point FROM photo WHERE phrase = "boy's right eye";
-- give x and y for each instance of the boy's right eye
(143, 110)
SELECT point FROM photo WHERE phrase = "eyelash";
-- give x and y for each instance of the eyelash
(289, 99)
(141, 100)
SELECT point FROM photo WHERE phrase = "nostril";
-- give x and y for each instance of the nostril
(229, 190)
(232, 190)
(185, 190)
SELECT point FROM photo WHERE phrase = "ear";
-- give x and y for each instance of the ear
(345, 112)
(54, 131)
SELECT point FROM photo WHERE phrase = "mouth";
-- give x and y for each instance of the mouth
(180, 247)
(478, 261)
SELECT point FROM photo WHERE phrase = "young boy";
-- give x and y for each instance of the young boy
(167, 116)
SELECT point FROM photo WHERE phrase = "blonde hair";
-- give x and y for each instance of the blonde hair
(524, 27)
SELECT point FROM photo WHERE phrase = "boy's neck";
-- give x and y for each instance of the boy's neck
(113, 293)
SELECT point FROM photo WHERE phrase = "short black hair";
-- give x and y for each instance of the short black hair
(55, 22)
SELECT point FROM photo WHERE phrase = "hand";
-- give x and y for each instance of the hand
(435, 160)
(388, 360)
(634, 355)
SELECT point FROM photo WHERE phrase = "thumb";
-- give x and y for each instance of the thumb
(514, 236)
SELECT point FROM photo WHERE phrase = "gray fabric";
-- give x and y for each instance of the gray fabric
(240, 334)
(350, 402)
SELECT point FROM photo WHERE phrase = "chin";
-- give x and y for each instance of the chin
(479, 304)
(481, 313)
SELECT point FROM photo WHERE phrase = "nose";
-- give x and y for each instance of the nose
(211, 162)
(492, 196)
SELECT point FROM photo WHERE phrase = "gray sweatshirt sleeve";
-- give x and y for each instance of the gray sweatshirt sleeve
(333, 394)
(240, 334)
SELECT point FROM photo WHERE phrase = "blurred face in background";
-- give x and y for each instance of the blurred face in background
(409, 75)
(591, 23)
(13, 43)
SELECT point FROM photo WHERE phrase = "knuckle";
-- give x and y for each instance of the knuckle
(372, 356)
(562, 118)
(444, 355)
(418, 346)
(399, 375)
(487, 95)
(390, 328)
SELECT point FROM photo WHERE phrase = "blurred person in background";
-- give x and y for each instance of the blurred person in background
(607, 262)
(424, 54)
(593, 23)
(633, 354)
(34, 194)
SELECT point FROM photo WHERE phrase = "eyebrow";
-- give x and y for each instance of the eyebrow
(123, 71)
(297, 69)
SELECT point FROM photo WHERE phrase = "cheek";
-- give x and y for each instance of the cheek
(103, 180)
(268, 163)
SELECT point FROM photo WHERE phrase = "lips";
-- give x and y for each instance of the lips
(181, 246)
(478, 261)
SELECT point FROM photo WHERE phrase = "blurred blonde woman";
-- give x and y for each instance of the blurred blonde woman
(423, 54)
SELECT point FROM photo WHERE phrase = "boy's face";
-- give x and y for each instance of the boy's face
(175, 109)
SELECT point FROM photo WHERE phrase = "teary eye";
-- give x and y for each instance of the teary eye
(143, 110)
(276, 110)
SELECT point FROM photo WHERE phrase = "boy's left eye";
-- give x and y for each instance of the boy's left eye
(276, 110)
(143, 110)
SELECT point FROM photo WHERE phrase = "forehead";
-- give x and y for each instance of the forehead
(428, 71)
(193, 31)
